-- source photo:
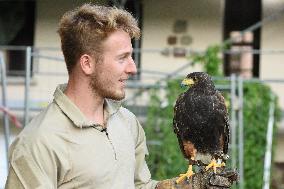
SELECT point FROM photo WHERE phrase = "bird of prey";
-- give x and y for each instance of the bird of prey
(201, 124)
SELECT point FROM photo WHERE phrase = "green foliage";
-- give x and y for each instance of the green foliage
(257, 98)
(165, 158)
(210, 60)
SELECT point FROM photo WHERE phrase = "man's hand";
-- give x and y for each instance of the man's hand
(203, 180)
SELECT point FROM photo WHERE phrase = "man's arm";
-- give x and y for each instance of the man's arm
(31, 165)
(142, 174)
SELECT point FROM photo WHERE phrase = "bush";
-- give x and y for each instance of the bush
(165, 158)
(257, 98)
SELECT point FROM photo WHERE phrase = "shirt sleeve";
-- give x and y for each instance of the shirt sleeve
(142, 174)
(31, 165)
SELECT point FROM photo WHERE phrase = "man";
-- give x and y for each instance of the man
(84, 138)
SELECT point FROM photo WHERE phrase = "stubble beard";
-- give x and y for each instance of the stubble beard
(101, 87)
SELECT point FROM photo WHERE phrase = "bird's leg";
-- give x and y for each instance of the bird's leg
(214, 164)
(188, 174)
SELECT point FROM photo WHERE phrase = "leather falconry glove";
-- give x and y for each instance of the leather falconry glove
(223, 179)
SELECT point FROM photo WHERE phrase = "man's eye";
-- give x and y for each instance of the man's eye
(121, 60)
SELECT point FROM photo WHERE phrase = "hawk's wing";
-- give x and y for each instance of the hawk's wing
(178, 113)
(226, 133)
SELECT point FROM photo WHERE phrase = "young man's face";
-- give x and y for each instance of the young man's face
(110, 75)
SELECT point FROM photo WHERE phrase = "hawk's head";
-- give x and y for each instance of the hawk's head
(197, 79)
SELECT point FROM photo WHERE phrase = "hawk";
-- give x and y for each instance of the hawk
(201, 123)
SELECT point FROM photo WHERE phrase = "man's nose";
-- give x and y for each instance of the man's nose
(131, 67)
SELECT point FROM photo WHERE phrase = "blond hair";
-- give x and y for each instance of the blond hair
(83, 29)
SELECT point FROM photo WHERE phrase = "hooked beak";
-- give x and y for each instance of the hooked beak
(187, 82)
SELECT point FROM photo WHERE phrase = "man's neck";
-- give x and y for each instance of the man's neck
(90, 103)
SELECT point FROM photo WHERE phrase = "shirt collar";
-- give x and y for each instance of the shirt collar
(74, 113)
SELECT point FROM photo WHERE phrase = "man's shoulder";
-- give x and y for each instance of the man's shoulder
(43, 132)
(126, 112)
(48, 119)
(128, 116)
(46, 124)
(131, 120)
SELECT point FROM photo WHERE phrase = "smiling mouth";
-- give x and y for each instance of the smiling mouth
(123, 82)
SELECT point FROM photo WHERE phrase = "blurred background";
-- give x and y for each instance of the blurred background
(239, 43)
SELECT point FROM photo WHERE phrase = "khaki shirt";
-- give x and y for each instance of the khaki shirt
(60, 148)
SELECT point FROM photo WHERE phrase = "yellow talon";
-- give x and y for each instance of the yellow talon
(188, 174)
(214, 165)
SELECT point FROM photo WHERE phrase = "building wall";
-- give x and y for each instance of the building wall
(204, 26)
(272, 66)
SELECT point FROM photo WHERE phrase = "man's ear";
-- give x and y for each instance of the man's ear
(87, 64)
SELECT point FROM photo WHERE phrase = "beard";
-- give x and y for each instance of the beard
(103, 87)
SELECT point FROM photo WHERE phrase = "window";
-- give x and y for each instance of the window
(238, 16)
(17, 19)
